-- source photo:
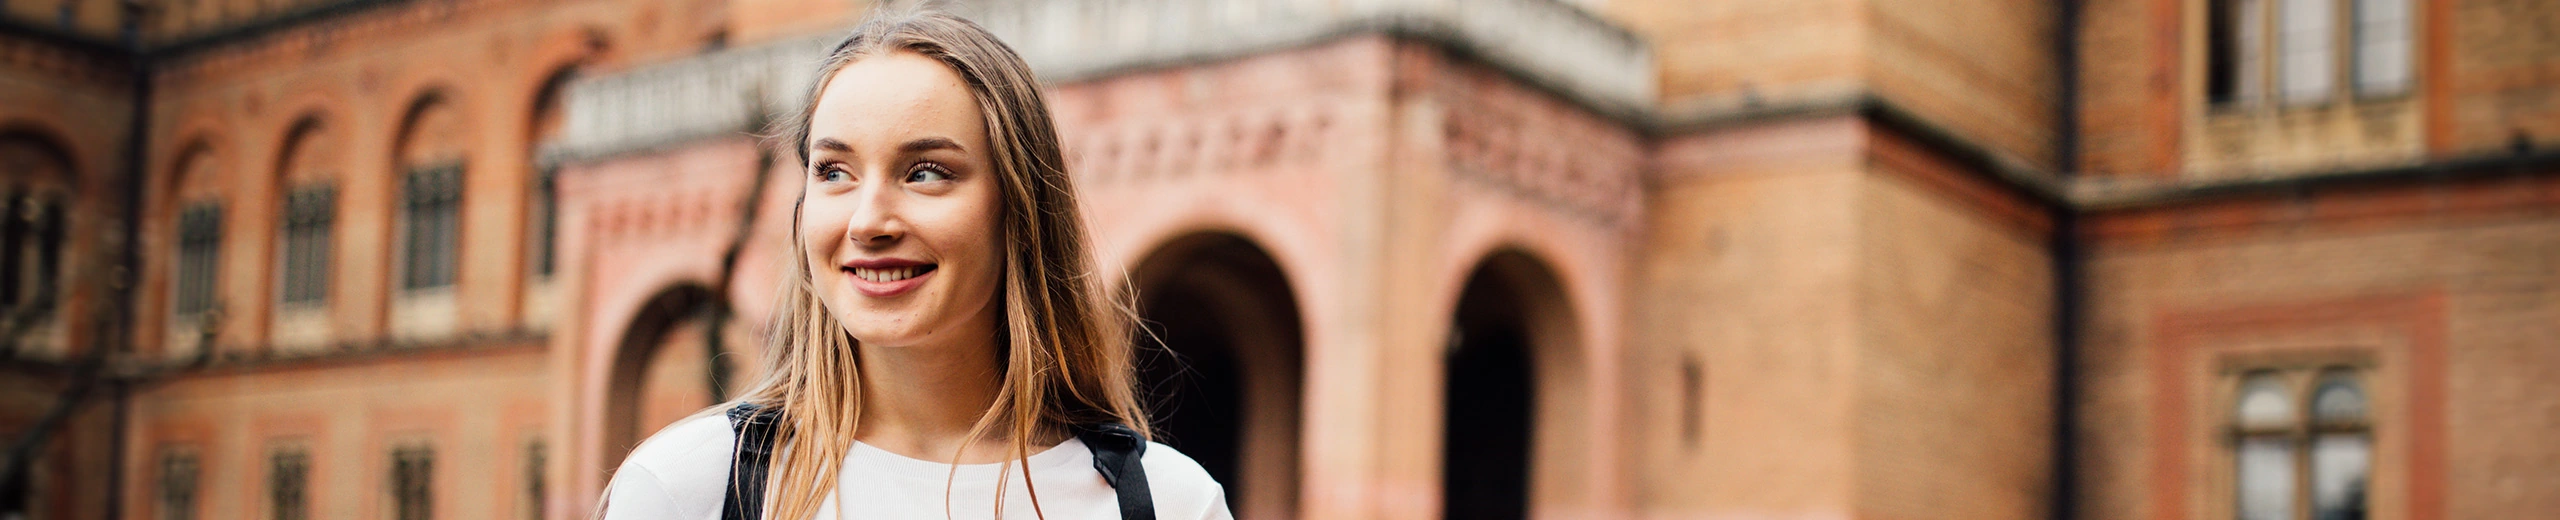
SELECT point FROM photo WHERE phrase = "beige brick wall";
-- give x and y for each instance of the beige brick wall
(2450, 287)
(1726, 54)
(2127, 110)
(1749, 270)
(1981, 68)
(1873, 324)
(2504, 75)
(1955, 358)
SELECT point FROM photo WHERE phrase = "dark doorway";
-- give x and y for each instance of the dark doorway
(1220, 358)
(1489, 406)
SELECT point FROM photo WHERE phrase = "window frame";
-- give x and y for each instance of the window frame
(289, 464)
(2301, 376)
(2345, 56)
(180, 493)
(411, 482)
(431, 226)
(197, 285)
(308, 239)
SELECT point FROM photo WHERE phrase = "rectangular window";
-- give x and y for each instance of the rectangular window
(288, 484)
(2235, 71)
(2307, 51)
(199, 256)
(310, 213)
(546, 215)
(534, 491)
(13, 238)
(178, 486)
(412, 483)
(2301, 442)
(30, 252)
(431, 209)
(2382, 47)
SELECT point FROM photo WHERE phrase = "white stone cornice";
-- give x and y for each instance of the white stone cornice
(1558, 46)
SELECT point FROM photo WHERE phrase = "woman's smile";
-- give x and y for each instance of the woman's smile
(887, 277)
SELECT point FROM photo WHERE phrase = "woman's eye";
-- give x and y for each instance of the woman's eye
(928, 173)
(833, 174)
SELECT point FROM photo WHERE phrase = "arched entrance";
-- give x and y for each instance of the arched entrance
(1222, 362)
(665, 367)
(1512, 377)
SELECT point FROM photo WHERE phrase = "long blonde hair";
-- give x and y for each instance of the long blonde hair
(1066, 339)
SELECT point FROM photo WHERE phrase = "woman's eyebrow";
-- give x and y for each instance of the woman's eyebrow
(830, 144)
(929, 144)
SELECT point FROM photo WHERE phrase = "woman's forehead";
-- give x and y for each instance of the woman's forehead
(881, 101)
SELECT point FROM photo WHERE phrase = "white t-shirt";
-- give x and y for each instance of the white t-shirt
(682, 472)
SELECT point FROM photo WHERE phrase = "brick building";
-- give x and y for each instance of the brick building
(2098, 259)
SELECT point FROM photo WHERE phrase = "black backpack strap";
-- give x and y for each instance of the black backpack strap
(754, 425)
(1117, 451)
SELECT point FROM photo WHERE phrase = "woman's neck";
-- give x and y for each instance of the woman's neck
(921, 400)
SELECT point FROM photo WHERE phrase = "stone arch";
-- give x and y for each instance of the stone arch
(638, 395)
(36, 155)
(303, 150)
(1514, 362)
(432, 128)
(1223, 359)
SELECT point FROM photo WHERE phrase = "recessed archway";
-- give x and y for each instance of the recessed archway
(663, 367)
(1513, 380)
(1222, 358)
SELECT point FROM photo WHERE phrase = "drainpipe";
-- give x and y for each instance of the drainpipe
(2069, 258)
(122, 280)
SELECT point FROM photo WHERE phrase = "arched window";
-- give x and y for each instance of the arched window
(197, 223)
(35, 178)
(306, 177)
(542, 203)
(432, 168)
(2298, 456)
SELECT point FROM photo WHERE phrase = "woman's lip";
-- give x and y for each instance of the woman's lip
(882, 263)
(886, 289)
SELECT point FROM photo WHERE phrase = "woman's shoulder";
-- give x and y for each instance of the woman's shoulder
(1181, 488)
(682, 470)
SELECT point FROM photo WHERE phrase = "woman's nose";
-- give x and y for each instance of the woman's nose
(875, 217)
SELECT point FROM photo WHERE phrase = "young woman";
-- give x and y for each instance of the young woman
(945, 339)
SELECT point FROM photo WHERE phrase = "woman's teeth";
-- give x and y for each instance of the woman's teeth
(891, 274)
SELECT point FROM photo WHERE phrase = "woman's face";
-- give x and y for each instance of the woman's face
(900, 217)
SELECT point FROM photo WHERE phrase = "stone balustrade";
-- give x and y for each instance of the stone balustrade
(1576, 54)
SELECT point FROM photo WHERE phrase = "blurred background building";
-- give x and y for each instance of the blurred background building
(1813, 259)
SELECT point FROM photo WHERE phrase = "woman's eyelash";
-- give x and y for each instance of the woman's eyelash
(922, 167)
(826, 169)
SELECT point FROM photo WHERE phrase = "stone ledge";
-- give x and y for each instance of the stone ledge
(722, 94)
